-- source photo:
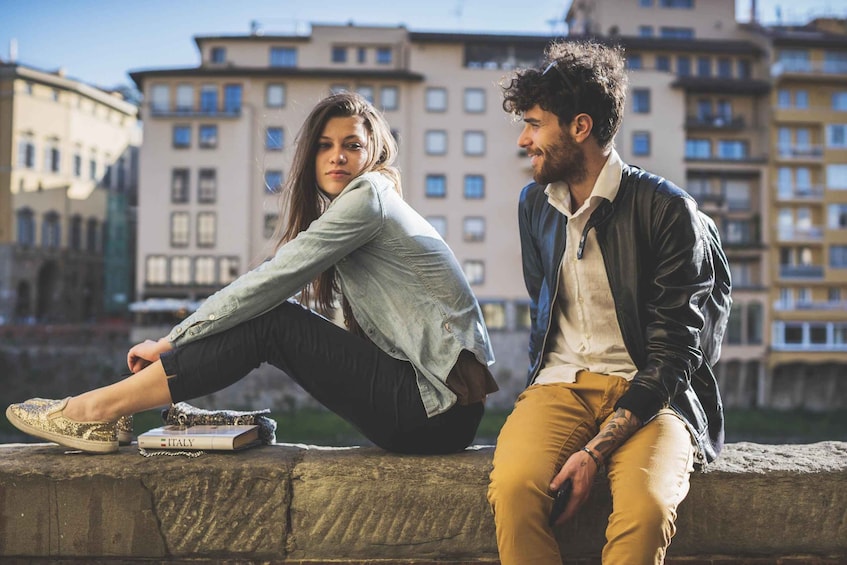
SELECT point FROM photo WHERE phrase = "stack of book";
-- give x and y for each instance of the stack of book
(211, 438)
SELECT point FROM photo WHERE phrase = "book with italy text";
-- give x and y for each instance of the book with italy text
(226, 438)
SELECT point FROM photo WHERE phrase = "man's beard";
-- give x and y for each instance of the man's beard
(563, 162)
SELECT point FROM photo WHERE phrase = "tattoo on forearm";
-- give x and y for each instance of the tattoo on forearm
(622, 425)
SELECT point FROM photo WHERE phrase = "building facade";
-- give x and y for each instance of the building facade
(703, 110)
(65, 147)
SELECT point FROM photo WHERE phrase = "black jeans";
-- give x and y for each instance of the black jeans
(349, 375)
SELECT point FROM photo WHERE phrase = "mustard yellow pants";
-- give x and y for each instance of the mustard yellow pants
(648, 474)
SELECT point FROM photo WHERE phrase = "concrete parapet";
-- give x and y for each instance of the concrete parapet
(759, 504)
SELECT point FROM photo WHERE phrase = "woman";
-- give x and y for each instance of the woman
(411, 373)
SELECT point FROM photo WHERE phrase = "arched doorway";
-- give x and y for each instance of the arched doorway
(48, 284)
(23, 302)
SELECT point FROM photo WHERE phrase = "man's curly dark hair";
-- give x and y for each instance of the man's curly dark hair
(578, 77)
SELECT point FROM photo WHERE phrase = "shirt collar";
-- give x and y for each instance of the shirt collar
(606, 186)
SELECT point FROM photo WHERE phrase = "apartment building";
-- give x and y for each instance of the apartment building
(808, 214)
(67, 154)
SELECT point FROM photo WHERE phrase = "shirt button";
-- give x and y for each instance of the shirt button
(211, 316)
(447, 326)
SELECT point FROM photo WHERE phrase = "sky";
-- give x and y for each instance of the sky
(98, 41)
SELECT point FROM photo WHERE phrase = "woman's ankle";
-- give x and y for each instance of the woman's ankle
(81, 409)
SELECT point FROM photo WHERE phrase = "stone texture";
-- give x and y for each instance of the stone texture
(759, 504)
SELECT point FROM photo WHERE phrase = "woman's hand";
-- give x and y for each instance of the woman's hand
(145, 353)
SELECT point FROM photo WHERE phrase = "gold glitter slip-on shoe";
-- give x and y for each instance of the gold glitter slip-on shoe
(43, 418)
(124, 429)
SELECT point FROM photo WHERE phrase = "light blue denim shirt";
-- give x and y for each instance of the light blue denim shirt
(404, 284)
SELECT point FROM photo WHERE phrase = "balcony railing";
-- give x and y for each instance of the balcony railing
(808, 67)
(801, 271)
(715, 122)
(195, 112)
(798, 233)
(808, 193)
(789, 305)
(800, 151)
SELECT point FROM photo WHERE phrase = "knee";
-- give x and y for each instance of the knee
(517, 486)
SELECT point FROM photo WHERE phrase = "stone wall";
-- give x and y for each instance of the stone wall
(295, 504)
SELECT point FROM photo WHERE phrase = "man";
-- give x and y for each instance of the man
(627, 316)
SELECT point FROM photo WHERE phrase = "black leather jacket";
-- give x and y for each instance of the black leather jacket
(655, 249)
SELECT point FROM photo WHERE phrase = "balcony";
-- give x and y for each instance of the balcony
(809, 69)
(801, 272)
(708, 122)
(158, 112)
(799, 233)
(813, 193)
(801, 152)
(794, 306)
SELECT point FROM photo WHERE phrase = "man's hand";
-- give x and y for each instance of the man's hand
(581, 467)
(581, 470)
(145, 353)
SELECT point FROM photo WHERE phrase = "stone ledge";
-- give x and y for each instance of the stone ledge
(759, 504)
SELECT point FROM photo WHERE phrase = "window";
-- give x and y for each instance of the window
(474, 100)
(436, 99)
(26, 152)
(52, 157)
(641, 101)
(494, 314)
(75, 242)
(645, 3)
(204, 270)
(663, 63)
(474, 187)
(77, 165)
(389, 97)
(676, 32)
(737, 193)
(184, 98)
(273, 139)
(796, 60)
(836, 177)
(837, 214)
(51, 232)
(339, 54)
(474, 143)
(156, 271)
(179, 229)
(275, 96)
(676, 3)
(208, 136)
(179, 186)
(92, 229)
(634, 62)
(436, 186)
(801, 99)
(698, 149)
(744, 69)
(337, 88)
(836, 136)
(435, 142)
(783, 98)
(838, 256)
(733, 149)
(209, 98)
(683, 66)
(725, 67)
(26, 227)
(733, 327)
(273, 181)
(283, 57)
(232, 98)
(641, 143)
(645, 31)
(160, 98)
(362, 55)
(207, 186)
(182, 137)
(206, 229)
(180, 270)
(92, 167)
(218, 55)
(839, 101)
(227, 269)
(474, 228)
(474, 271)
(704, 66)
(367, 92)
(835, 62)
(269, 226)
(755, 323)
(383, 55)
(439, 223)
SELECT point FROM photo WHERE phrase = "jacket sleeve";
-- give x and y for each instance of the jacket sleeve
(352, 219)
(679, 283)
(533, 269)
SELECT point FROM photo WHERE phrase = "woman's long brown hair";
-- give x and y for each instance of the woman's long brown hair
(305, 202)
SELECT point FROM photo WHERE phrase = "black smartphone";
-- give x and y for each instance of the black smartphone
(560, 500)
